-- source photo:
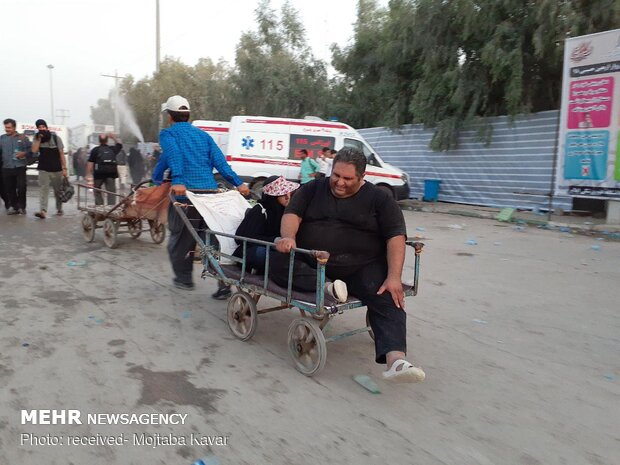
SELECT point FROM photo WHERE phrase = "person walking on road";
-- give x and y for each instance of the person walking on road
(102, 168)
(52, 167)
(191, 155)
(136, 165)
(3, 194)
(13, 148)
(121, 160)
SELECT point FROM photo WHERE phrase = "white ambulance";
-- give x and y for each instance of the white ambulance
(258, 147)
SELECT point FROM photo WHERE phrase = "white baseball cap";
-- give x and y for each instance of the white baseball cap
(177, 103)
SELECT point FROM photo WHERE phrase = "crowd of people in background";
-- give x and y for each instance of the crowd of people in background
(46, 153)
(320, 167)
(133, 165)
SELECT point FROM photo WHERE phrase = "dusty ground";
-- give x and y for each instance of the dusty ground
(519, 336)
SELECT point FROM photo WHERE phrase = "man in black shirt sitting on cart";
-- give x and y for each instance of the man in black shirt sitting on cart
(363, 229)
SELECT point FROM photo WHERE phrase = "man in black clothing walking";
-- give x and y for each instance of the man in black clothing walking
(102, 163)
(52, 167)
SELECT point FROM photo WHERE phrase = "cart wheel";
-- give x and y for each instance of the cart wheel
(370, 331)
(88, 227)
(242, 315)
(307, 346)
(158, 231)
(110, 231)
(135, 228)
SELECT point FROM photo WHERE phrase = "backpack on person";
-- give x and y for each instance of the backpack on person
(105, 163)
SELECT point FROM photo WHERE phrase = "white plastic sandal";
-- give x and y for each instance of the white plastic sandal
(402, 371)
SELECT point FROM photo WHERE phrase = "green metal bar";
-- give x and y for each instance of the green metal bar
(337, 337)
(291, 262)
(416, 274)
(320, 286)
(243, 261)
(272, 309)
(266, 281)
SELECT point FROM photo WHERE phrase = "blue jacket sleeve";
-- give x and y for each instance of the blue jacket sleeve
(160, 168)
(221, 165)
(175, 162)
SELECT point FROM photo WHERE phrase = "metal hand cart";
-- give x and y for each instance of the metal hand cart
(306, 340)
(127, 215)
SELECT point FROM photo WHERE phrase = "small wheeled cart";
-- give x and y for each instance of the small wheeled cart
(307, 342)
(127, 215)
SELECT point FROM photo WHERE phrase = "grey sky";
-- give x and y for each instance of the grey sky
(86, 38)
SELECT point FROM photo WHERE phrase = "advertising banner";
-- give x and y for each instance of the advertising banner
(589, 142)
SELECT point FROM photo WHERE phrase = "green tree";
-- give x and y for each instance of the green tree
(276, 74)
(448, 63)
(102, 113)
(206, 85)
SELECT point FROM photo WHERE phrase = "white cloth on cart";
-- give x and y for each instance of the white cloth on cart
(222, 212)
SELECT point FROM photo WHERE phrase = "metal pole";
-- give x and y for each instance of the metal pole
(117, 123)
(51, 67)
(553, 169)
(117, 91)
(157, 45)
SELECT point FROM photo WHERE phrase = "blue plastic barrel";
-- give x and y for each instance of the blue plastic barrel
(431, 190)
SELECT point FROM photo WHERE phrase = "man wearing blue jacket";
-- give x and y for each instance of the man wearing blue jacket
(191, 155)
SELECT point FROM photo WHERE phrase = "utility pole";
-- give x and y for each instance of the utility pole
(157, 45)
(51, 67)
(116, 77)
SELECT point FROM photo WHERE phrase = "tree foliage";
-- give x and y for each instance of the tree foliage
(276, 73)
(103, 112)
(447, 63)
(443, 63)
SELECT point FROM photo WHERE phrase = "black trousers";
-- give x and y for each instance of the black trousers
(388, 322)
(3, 194)
(14, 180)
(181, 242)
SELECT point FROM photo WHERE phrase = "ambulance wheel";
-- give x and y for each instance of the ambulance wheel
(242, 315)
(110, 233)
(88, 227)
(307, 346)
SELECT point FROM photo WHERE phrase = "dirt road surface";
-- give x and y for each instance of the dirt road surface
(519, 336)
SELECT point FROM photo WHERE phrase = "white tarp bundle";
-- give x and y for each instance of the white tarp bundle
(223, 213)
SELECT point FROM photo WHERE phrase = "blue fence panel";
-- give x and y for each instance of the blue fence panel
(515, 170)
